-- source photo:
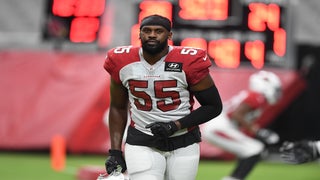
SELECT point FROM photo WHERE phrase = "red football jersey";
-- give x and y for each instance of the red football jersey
(256, 101)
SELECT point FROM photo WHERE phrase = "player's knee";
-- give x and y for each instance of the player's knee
(253, 149)
(144, 170)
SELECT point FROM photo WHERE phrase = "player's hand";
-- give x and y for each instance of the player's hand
(267, 136)
(299, 152)
(163, 129)
(115, 162)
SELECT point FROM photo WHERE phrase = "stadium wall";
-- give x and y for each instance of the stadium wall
(45, 93)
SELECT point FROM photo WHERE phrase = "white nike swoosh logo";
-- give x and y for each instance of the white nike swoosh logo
(205, 58)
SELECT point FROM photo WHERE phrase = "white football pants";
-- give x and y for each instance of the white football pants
(226, 135)
(146, 163)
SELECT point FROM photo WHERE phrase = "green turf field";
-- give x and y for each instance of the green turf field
(36, 166)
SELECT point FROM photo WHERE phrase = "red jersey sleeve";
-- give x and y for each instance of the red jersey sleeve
(195, 62)
(117, 58)
(110, 66)
(255, 100)
(198, 67)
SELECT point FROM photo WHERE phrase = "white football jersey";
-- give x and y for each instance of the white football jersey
(158, 92)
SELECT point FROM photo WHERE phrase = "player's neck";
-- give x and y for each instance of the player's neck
(154, 58)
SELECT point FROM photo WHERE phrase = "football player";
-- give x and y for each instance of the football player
(235, 131)
(156, 83)
(300, 152)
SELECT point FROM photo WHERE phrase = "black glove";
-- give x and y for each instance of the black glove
(267, 136)
(163, 129)
(115, 162)
(299, 152)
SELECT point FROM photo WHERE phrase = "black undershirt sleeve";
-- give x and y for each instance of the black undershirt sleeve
(211, 107)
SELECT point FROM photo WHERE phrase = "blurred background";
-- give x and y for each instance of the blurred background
(52, 80)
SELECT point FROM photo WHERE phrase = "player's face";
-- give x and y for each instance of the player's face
(154, 39)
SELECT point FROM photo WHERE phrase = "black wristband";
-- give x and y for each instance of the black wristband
(115, 152)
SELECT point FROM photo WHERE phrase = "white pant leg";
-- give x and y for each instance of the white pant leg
(183, 163)
(144, 163)
(221, 132)
(151, 164)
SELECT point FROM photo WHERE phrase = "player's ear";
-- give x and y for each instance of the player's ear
(140, 34)
(170, 35)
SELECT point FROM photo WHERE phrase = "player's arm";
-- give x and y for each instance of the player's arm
(239, 114)
(267, 136)
(209, 98)
(118, 113)
(117, 125)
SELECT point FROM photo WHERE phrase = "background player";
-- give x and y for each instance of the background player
(157, 82)
(234, 129)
